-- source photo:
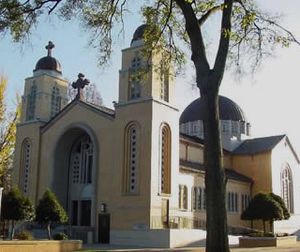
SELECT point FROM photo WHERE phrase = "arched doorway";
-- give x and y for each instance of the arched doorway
(74, 180)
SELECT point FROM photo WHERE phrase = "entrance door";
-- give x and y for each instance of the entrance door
(104, 227)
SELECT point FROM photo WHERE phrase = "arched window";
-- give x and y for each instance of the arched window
(25, 165)
(31, 100)
(131, 166)
(287, 188)
(82, 161)
(135, 79)
(165, 157)
(55, 101)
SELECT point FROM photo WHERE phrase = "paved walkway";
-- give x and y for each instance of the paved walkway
(97, 247)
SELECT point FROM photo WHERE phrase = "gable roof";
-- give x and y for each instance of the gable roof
(258, 145)
(229, 173)
(99, 109)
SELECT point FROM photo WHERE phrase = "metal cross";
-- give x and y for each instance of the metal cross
(49, 47)
(79, 85)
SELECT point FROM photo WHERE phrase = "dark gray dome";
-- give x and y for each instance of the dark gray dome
(229, 110)
(48, 63)
(139, 33)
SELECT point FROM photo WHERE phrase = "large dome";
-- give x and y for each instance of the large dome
(48, 63)
(229, 110)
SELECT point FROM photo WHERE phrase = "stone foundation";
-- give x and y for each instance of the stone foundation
(251, 242)
(37, 246)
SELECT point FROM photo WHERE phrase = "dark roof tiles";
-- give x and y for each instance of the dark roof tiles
(229, 110)
(258, 145)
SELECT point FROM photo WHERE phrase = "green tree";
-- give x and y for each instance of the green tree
(16, 207)
(245, 35)
(49, 211)
(8, 122)
(263, 207)
(286, 213)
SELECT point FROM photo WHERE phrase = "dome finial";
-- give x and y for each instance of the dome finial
(49, 47)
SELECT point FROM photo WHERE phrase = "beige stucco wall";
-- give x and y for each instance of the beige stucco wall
(30, 131)
(44, 83)
(134, 207)
(191, 151)
(241, 188)
(164, 114)
(108, 134)
(258, 167)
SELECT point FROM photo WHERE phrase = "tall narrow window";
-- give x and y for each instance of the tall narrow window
(232, 202)
(31, 100)
(25, 165)
(245, 201)
(199, 198)
(131, 158)
(135, 79)
(287, 188)
(183, 197)
(55, 101)
(194, 197)
(164, 88)
(82, 161)
(165, 183)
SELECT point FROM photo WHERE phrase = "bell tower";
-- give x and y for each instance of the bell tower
(146, 116)
(142, 77)
(45, 93)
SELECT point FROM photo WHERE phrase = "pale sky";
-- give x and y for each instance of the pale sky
(270, 99)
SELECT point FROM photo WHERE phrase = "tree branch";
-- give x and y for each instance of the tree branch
(211, 11)
(197, 44)
(222, 53)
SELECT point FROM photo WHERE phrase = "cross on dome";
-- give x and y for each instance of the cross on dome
(49, 48)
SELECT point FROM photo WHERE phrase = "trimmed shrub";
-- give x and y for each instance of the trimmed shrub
(24, 235)
(60, 236)
(49, 211)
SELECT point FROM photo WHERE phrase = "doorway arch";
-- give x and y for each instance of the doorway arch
(74, 175)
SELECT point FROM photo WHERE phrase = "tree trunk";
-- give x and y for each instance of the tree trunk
(264, 225)
(271, 227)
(12, 233)
(208, 81)
(49, 230)
(216, 216)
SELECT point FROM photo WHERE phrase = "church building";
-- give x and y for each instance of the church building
(134, 175)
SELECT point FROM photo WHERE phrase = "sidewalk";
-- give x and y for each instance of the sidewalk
(99, 247)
